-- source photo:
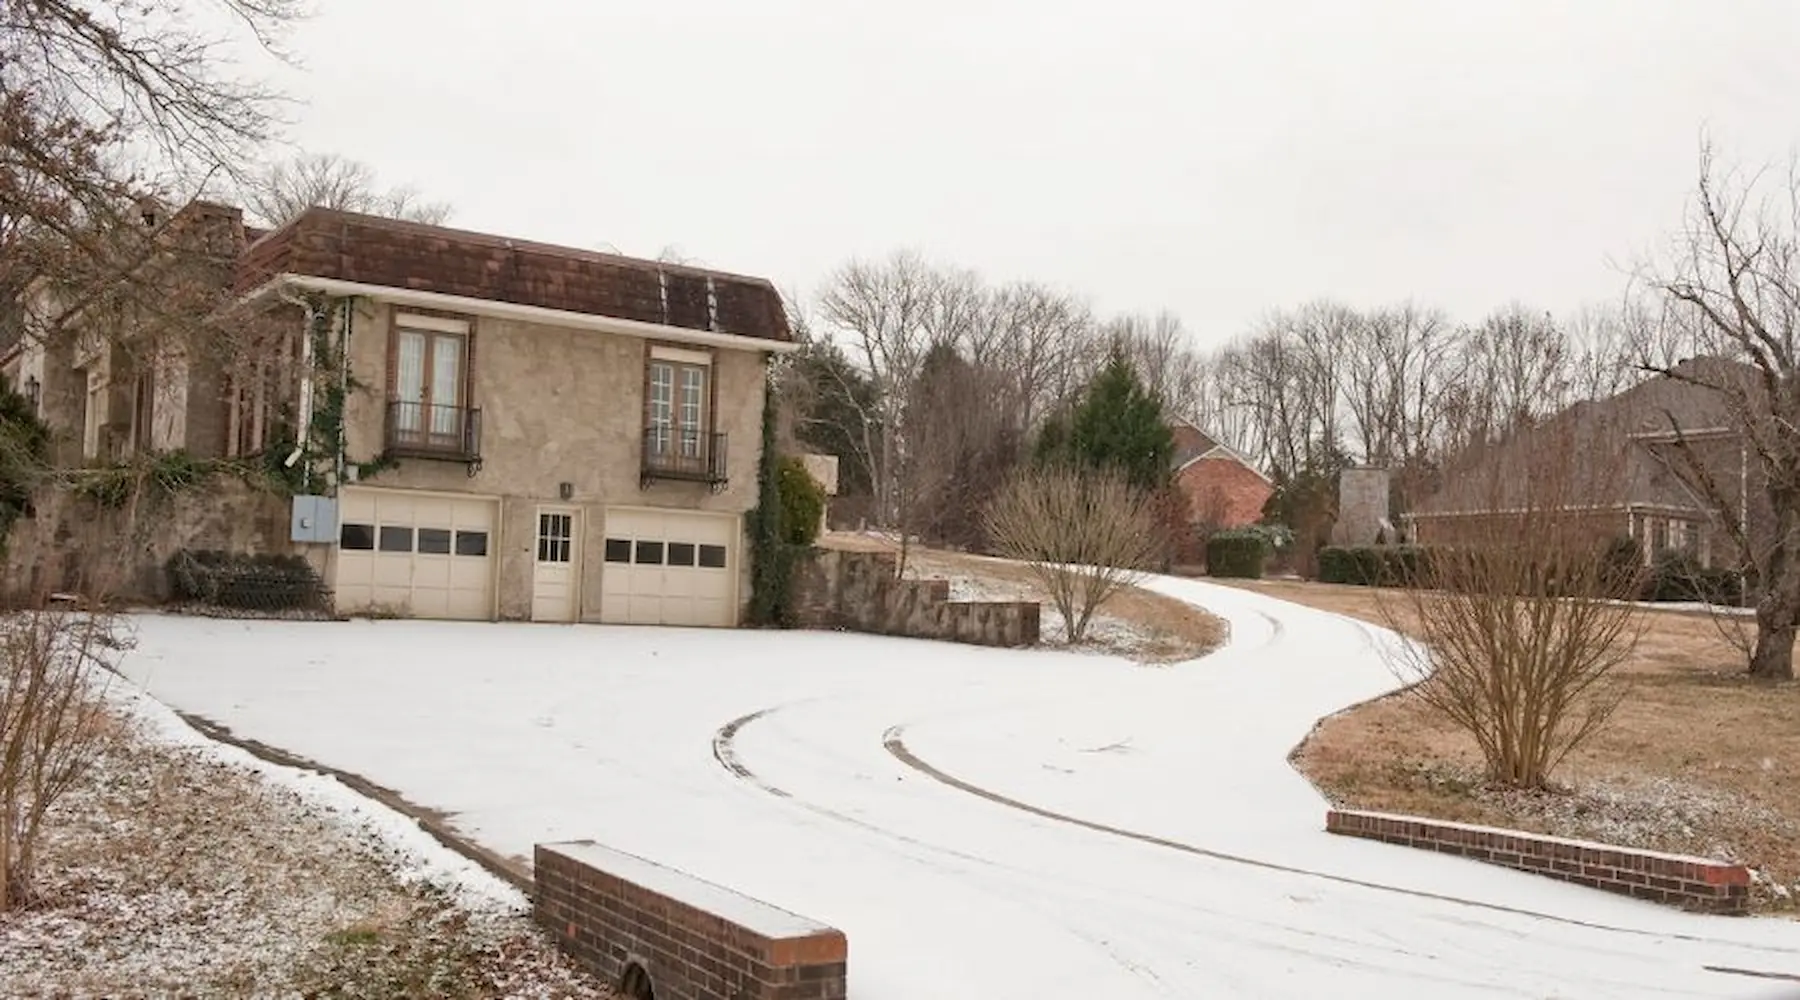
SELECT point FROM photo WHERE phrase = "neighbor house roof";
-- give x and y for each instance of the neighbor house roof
(1610, 466)
(368, 250)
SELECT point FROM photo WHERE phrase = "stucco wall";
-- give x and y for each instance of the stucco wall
(557, 406)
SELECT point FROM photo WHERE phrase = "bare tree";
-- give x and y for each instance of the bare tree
(1519, 627)
(1160, 349)
(1734, 276)
(283, 190)
(108, 110)
(53, 726)
(1084, 535)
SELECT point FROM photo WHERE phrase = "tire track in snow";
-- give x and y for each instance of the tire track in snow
(1020, 886)
(724, 751)
(894, 741)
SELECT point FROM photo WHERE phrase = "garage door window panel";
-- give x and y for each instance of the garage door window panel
(472, 543)
(434, 541)
(681, 553)
(618, 550)
(357, 537)
(712, 556)
(396, 539)
(649, 554)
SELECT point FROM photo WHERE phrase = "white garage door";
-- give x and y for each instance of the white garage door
(416, 554)
(669, 568)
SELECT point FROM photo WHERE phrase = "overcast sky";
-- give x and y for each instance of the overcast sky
(1218, 159)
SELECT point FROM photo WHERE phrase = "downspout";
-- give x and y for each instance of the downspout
(304, 430)
(343, 389)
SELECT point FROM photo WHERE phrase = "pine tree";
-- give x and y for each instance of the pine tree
(1118, 424)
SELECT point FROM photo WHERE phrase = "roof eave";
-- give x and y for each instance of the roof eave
(516, 311)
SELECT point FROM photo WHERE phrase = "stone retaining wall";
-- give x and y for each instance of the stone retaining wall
(1689, 882)
(862, 592)
(649, 930)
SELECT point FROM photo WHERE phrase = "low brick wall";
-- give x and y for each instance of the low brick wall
(630, 921)
(862, 592)
(1688, 882)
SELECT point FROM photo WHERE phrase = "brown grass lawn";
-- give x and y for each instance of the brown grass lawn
(1698, 759)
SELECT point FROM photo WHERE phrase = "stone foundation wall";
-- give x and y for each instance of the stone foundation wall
(71, 544)
(862, 592)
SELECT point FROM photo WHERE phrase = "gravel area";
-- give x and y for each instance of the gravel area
(180, 868)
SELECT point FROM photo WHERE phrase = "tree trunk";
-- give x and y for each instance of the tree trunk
(1773, 658)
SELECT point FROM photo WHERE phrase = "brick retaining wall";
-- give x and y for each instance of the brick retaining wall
(618, 916)
(1689, 882)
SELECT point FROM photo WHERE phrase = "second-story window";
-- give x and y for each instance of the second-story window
(430, 372)
(676, 400)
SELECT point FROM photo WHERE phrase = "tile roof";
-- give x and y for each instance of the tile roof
(347, 246)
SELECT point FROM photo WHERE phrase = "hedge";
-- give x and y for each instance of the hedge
(1236, 554)
(1679, 577)
(239, 580)
(1374, 565)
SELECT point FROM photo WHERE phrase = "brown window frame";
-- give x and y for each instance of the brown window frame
(708, 396)
(428, 401)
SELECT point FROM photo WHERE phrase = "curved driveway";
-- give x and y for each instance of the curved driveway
(981, 823)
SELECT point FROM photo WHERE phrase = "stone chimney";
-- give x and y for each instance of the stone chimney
(1363, 514)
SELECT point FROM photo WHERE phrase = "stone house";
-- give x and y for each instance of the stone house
(1613, 468)
(1223, 488)
(481, 427)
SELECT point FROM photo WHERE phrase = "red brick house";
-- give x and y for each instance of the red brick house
(1223, 488)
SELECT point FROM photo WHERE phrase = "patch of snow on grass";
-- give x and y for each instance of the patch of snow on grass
(181, 867)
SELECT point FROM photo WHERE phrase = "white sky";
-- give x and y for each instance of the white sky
(1219, 159)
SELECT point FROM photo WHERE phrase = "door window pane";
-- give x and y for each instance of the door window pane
(693, 392)
(471, 543)
(649, 553)
(409, 380)
(681, 553)
(555, 534)
(357, 537)
(434, 541)
(712, 556)
(446, 384)
(662, 406)
(618, 550)
(396, 539)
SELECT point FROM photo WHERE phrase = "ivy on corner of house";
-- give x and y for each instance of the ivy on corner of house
(333, 384)
(772, 556)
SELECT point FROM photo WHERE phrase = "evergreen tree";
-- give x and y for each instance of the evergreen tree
(1118, 424)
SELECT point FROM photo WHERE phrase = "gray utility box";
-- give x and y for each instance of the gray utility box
(315, 519)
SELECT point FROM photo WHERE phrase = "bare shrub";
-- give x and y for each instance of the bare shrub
(53, 725)
(1084, 535)
(1521, 622)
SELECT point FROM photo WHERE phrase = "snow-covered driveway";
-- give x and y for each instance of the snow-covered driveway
(981, 823)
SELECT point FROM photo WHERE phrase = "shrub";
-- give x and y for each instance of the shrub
(1678, 576)
(1374, 565)
(238, 580)
(1236, 554)
(802, 502)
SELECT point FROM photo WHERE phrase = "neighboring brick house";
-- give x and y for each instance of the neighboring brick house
(1625, 480)
(527, 431)
(1223, 488)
